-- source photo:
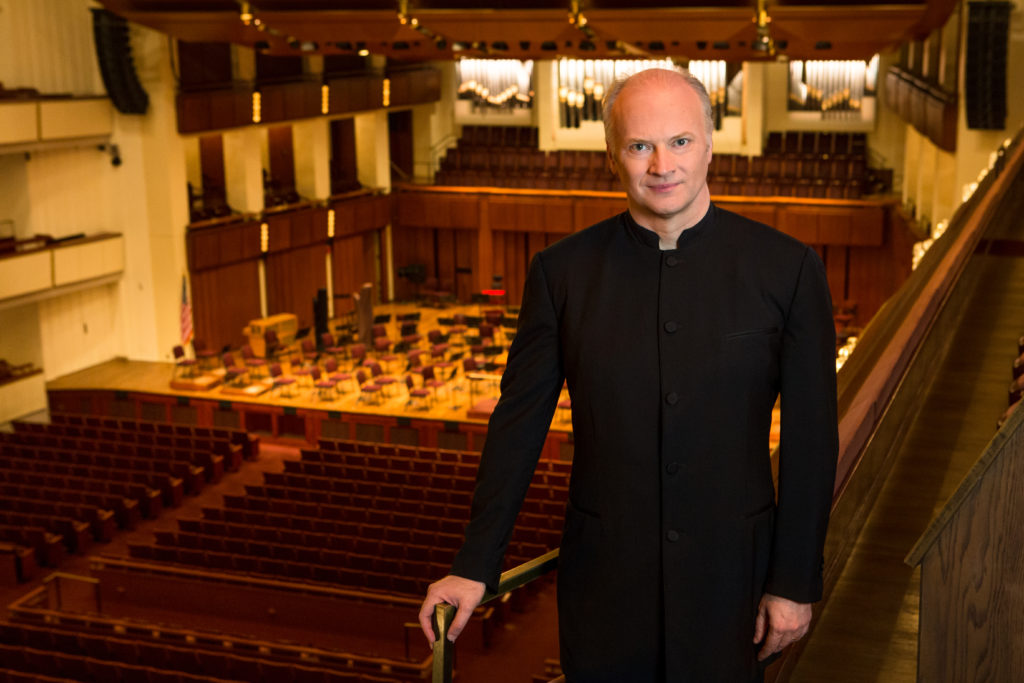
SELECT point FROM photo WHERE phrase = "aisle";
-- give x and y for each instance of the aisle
(868, 630)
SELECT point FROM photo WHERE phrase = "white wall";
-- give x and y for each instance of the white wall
(14, 198)
(20, 341)
(80, 329)
(975, 146)
(31, 31)
(66, 191)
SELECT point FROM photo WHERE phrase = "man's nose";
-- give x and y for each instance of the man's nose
(660, 163)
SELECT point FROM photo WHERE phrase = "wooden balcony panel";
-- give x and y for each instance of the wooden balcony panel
(940, 120)
(430, 210)
(355, 93)
(217, 246)
(530, 214)
(590, 210)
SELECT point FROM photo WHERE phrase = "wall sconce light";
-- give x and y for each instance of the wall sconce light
(264, 238)
(257, 106)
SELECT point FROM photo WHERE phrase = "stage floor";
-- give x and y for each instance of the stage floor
(453, 402)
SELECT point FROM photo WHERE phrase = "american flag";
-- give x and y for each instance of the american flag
(186, 314)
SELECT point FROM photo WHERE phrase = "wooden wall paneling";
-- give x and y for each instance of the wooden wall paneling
(309, 226)
(356, 93)
(224, 300)
(800, 222)
(588, 210)
(465, 273)
(215, 246)
(436, 210)
(370, 212)
(512, 260)
(836, 266)
(403, 250)
(279, 231)
(293, 278)
(282, 157)
(531, 214)
(444, 244)
(764, 213)
(870, 282)
(211, 162)
(867, 226)
(353, 265)
(344, 218)
(834, 227)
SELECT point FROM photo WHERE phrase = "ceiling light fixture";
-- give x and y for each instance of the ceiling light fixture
(763, 41)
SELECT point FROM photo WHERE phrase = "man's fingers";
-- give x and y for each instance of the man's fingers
(462, 616)
(427, 619)
(772, 644)
(759, 623)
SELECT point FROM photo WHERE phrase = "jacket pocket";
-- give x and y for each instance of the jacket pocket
(750, 333)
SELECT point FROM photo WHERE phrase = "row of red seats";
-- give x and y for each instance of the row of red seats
(211, 463)
(134, 659)
(349, 570)
(191, 477)
(147, 500)
(75, 534)
(48, 547)
(17, 563)
(816, 143)
(744, 168)
(125, 510)
(159, 489)
(290, 528)
(787, 187)
(249, 442)
(99, 520)
(349, 449)
(221, 445)
(512, 137)
(350, 462)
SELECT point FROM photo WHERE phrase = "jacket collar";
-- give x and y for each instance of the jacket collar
(650, 238)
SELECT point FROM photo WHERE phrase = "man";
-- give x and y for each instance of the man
(676, 324)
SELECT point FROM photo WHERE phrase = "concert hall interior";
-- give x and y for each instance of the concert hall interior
(261, 263)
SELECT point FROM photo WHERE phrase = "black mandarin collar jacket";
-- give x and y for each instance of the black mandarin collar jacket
(673, 360)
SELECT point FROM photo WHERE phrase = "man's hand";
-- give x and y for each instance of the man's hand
(779, 622)
(464, 594)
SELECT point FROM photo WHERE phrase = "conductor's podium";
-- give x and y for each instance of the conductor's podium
(285, 325)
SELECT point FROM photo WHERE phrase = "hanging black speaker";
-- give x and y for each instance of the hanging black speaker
(988, 26)
(114, 54)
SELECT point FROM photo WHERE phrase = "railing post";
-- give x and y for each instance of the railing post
(444, 649)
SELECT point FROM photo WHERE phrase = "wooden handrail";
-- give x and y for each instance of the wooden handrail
(514, 578)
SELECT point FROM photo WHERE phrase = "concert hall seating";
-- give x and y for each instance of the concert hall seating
(793, 164)
(38, 651)
(367, 516)
(66, 484)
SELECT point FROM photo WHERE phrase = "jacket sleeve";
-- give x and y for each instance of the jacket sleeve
(809, 443)
(515, 434)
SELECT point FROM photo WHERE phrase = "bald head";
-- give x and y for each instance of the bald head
(653, 79)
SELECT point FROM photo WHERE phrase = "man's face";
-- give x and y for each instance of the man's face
(661, 151)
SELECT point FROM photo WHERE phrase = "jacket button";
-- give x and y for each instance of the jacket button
(671, 398)
(671, 261)
(671, 326)
(672, 535)
(672, 467)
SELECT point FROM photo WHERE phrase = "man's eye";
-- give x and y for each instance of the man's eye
(681, 142)
(637, 147)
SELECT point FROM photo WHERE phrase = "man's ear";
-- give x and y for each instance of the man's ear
(611, 161)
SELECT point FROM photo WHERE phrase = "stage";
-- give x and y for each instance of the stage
(454, 417)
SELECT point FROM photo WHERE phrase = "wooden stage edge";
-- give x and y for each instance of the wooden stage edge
(142, 390)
